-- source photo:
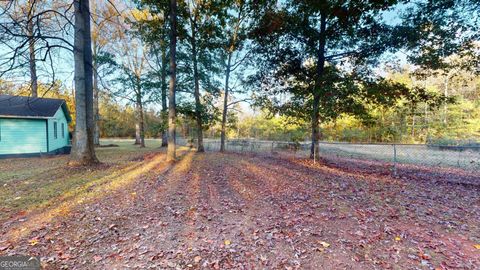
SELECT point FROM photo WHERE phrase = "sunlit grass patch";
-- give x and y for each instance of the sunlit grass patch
(185, 164)
(27, 184)
(94, 189)
(56, 193)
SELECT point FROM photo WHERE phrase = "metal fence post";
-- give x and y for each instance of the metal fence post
(394, 160)
(458, 159)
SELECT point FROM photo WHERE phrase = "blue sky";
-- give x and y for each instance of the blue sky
(63, 60)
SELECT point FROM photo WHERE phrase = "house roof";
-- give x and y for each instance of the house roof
(31, 107)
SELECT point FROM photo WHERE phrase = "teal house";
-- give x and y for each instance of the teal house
(33, 126)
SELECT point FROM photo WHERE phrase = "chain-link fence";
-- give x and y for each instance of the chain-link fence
(466, 158)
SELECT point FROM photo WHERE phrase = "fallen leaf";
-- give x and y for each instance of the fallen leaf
(477, 246)
(197, 259)
(227, 242)
(398, 238)
(324, 244)
(33, 242)
(425, 256)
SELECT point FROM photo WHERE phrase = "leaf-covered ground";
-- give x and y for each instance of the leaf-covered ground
(224, 211)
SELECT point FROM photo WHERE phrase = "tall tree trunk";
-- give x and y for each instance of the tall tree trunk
(445, 106)
(231, 49)
(83, 152)
(137, 125)
(164, 95)
(198, 104)
(225, 104)
(171, 155)
(140, 125)
(31, 48)
(96, 111)
(315, 126)
(316, 95)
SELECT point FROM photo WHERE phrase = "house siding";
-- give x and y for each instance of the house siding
(29, 136)
(22, 136)
(61, 140)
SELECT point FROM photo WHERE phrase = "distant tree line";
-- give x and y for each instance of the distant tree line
(311, 63)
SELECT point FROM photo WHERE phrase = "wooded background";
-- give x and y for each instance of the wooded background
(358, 71)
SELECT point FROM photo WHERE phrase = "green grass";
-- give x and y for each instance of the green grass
(27, 184)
